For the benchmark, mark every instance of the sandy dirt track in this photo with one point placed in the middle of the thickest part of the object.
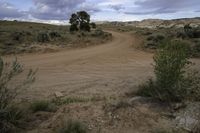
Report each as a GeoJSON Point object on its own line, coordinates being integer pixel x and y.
{"type": "Point", "coordinates": [109, 69]}
{"type": "Point", "coordinates": [105, 70]}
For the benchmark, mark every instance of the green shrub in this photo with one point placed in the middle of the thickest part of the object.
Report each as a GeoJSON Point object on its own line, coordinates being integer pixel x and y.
{"type": "Point", "coordinates": [54, 34]}
{"type": "Point", "coordinates": [7, 73]}
{"type": "Point", "coordinates": [146, 88]}
{"type": "Point", "coordinates": [154, 40]}
{"type": "Point", "coordinates": [97, 33]}
{"type": "Point", "coordinates": [17, 36]}
{"type": "Point", "coordinates": [160, 37]}
{"type": "Point", "coordinates": [43, 37]}
{"type": "Point", "coordinates": [42, 106]}
{"type": "Point", "coordinates": [169, 70]}
{"type": "Point", "coordinates": [11, 118]}
{"type": "Point", "coordinates": [150, 38]}
{"type": "Point", "coordinates": [170, 63]}
{"type": "Point", "coordinates": [181, 34]}
{"type": "Point", "coordinates": [73, 127]}
{"type": "Point", "coordinates": [93, 25]}
{"type": "Point", "coordinates": [9, 115]}
{"type": "Point", "coordinates": [192, 32]}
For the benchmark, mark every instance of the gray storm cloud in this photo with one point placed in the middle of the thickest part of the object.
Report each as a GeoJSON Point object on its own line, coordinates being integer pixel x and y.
{"type": "Point", "coordinates": [9, 11]}
{"type": "Point", "coordinates": [163, 6]}
{"type": "Point", "coordinates": [62, 9]}
{"type": "Point", "coordinates": [59, 9]}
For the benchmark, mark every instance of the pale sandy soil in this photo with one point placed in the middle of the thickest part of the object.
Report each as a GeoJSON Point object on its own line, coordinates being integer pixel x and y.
{"type": "Point", "coordinates": [106, 70]}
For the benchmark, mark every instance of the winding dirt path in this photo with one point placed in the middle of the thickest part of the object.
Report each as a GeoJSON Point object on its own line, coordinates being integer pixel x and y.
{"type": "Point", "coordinates": [105, 70]}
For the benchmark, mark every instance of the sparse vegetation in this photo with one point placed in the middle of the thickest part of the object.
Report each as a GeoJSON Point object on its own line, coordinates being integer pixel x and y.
{"type": "Point", "coordinates": [10, 115]}
{"type": "Point", "coordinates": [22, 37]}
{"type": "Point", "coordinates": [169, 131]}
{"type": "Point", "coordinates": [171, 83]}
{"type": "Point", "coordinates": [72, 126]}
{"type": "Point", "coordinates": [107, 109]}
{"type": "Point", "coordinates": [11, 118]}
{"type": "Point", "coordinates": [43, 106]}
{"type": "Point", "coordinates": [153, 38]}
{"type": "Point", "coordinates": [43, 37]}
{"type": "Point", "coordinates": [192, 32]}
{"type": "Point", "coordinates": [68, 100]}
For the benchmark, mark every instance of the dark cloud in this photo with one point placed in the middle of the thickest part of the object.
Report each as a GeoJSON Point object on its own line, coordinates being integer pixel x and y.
{"type": "Point", "coordinates": [157, 11]}
{"type": "Point", "coordinates": [9, 11]}
{"type": "Point", "coordinates": [163, 6]}
{"type": "Point", "coordinates": [59, 9]}
{"type": "Point", "coordinates": [117, 7]}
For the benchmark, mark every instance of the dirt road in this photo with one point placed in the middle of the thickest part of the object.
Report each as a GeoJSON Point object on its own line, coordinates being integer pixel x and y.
{"type": "Point", "coordinates": [105, 70]}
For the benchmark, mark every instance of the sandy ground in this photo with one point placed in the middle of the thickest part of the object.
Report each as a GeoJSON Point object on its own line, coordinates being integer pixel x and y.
{"type": "Point", "coordinates": [107, 70]}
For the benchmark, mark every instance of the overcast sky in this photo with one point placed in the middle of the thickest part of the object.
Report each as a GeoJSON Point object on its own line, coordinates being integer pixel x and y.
{"type": "Point", "coordinates": [59, 11]}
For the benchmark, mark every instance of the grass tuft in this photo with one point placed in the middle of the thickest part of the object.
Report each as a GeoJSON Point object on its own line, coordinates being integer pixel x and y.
{"type": "Point", "coordinates": [43, 106]}
{"type": "Point", "coordinates": [71, 126]}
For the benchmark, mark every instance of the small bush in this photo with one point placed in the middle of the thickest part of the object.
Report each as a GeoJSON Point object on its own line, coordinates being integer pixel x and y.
{"type": "Point", "coordinates": [73, 127]}
{"type": "Point", "coordinates": [170, 63]}
{"type": "Point", "coordinates": [98, 33]}
{"type": "Point", "coordinates": [93, 25]}
{"type": "Point", "coordinates": [181, 34]}
{"type": "Point", "coordinates": [192, 32]}
{"type": "Point", "coordinates": [160, 37]}
{"type": "Point", "coordinates": [150, 38]}
{"type": "Point", "coordinates": [17, 36]}
{"type": "Point", "coordinates": [7, 73]}
{"type": "Point", "coordinates": [54, 34]}
{"type": "Point", "coordinates": [42, 106]}
{"type": "Point", "coordinates": [146, 88]}
{"type": "Point", "coordinates": [154, 40]}
{"type": "Point", "coordinates": [43, 37]}
{"type": "Point", "coordinates": [11, 118]}
{"type": "Point", "coordinates": [147, 33]}
{"type": "Point", "coordinates": [9, 115]}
